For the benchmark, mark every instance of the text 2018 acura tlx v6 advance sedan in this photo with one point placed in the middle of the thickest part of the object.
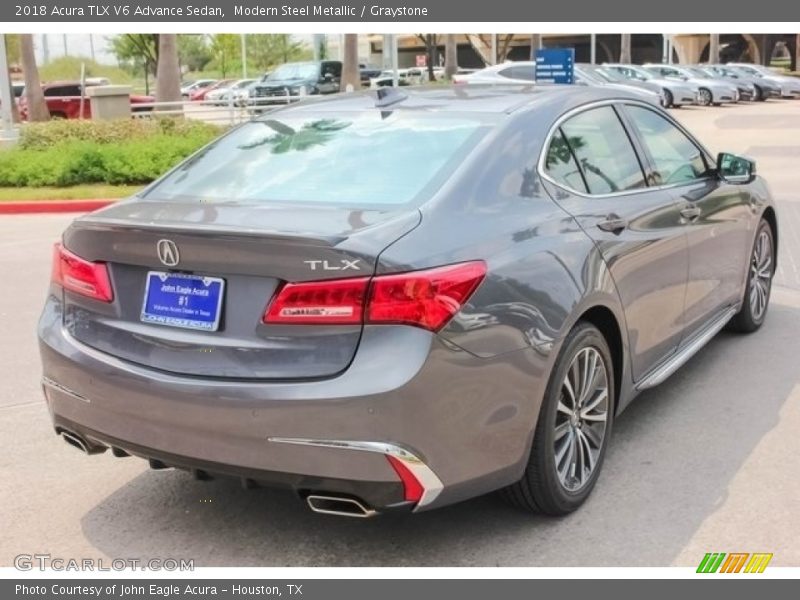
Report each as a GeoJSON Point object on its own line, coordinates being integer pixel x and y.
{"type": "Point", "coordinates": [399, 301]}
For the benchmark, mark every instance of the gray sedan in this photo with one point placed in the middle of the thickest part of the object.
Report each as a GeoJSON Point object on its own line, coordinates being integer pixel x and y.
{"type": "Point", "coordinates": [288, 307]}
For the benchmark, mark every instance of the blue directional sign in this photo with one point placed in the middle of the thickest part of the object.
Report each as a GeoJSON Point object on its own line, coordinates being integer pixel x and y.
{"type": "Point", "coordinates": [555, 65]}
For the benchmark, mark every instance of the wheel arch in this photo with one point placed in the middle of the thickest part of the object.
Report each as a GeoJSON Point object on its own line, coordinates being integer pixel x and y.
{"type": "Point", "coordinates": [772, 219]}
{"type": "Point", "coordinates": [606, 321]}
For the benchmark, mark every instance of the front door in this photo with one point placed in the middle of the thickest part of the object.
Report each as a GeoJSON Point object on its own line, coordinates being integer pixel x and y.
{"type": "Point", "coordinates": [597, 177]}
{"type": "Point", "coordinates": [713, 211]}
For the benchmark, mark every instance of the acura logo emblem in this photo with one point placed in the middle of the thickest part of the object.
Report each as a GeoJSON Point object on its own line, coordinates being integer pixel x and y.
{"type": "Point", "coordinates": [168, 253]}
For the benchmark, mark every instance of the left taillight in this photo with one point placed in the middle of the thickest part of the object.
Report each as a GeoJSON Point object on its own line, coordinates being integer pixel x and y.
{"type": "Point", "coordinates": [428, 298]}
{"type": "Point", "coordinates": [81, 276]}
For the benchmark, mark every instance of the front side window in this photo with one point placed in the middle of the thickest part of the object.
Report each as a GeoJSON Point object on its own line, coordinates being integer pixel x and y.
{"type": "Point", "coordinates": [675, 157]}
{"type": "Point", "coordinates": [603, 150]}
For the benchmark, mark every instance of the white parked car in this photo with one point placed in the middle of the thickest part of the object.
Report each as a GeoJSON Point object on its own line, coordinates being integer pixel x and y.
{"type": "Point", "coordinates": [524, 73]}
{"type": "Point", "coordinates": [189, 87]}
{"type": "Point", "coordinates": [236, 91]}
{"type": "Point", "coordinates": [508, 72]}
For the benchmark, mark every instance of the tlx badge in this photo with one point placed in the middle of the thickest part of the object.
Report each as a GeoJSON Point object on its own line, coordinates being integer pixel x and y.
{"type": "Point", "coordinates": [325, 265]}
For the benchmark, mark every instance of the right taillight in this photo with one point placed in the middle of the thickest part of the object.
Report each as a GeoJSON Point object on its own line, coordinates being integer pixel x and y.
{"type": "Point", "coordinates": [427, 298]}
{"type": "Point", "coordinates": [81, 276]}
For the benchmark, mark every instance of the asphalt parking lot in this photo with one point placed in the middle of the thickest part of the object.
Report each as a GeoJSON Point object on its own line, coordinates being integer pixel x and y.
{"type": "Point", "coordinates": [707, 462]}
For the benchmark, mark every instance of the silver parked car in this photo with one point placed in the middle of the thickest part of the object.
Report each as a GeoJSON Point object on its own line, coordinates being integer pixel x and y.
{"type": "Point", "coordinates": [710, 91]}
{"type": "Point", "coordinates": [524, 73]}
{"type": "Point", "coordinates": [790, 86]}
{"type": "Point", "coordinates": [668, 98]}
{"type": "Point", "coordinates": [289, 307]}
{"type": "Point", "coordinates": [677, 92]}
{"type": "Point", "coordinates": [758, 89]}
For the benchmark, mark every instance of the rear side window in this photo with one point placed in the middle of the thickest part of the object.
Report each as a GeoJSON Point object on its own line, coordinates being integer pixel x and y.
{"type": "Point", "coordinates": [347, 159]}
{"type": "Point", "coordinates": [63, 90]}
{"type": "Point", "coordinates": [603, 151]}
{"type": "Point", "coordinates": [561, 166]}
{"type": "Point", "coordinates": [676, 159]}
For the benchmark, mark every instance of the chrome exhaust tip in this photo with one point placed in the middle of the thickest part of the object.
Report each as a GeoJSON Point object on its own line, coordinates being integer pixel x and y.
{"type": "Point", "coordinates": [76, 441]}
{"type": "Point", "coordinates": [341, 506]}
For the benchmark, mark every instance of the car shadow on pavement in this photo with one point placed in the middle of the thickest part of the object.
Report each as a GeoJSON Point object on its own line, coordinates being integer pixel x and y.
{"type": "Point", "coordinates": [673, 455]}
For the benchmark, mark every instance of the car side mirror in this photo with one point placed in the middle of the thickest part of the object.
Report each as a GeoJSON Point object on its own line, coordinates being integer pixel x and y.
{"type": "Point", "coordinates": [735, 169]}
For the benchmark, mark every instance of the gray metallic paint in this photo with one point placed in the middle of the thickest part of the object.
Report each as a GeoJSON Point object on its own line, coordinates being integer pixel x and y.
{"type": "Point", "coordinates": [465, 400]}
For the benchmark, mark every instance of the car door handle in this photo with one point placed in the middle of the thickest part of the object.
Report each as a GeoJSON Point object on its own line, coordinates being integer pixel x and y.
{"type": "Point", "coordinates": [613, 223]}
{"type": "Point", "coordinates": [691, 212]}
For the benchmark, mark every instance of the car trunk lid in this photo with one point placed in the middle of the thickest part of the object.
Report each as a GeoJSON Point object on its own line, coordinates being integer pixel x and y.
{"type": "Point", "coordinates": [252, 250]}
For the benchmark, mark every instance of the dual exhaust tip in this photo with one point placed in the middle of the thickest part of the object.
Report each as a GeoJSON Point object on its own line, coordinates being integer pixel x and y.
{"type": "Point", "coordinates": [82, 444]}
{"type": "Point", "coordinates": [328, 504]}
{"type": "Point", "coordinates": [342, 506]}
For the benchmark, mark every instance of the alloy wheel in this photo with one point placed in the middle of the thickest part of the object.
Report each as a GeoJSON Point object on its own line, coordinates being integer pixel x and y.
{"type": "Point", "coordinates": [760, 275]}
{"type": "Point", "coordinates": [581, 419]}
{"type": "Point", "coordinates": [705, 97]}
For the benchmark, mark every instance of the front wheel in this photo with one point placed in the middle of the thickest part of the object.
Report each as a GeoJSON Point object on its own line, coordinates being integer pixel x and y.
{"type": "Point", "coordinates": [573, 429]}
{"type": "Point", "coordinates": [759, 282]}
{"type": "Point", "coordinates": [706, 97]}
{"type": "Point", "coordinates": [758, 94]}
{"type": "Point", "coordinates": [669, 101]}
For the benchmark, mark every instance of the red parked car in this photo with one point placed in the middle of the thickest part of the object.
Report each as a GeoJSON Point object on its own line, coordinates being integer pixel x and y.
{"type": "Point", "coordinates": [63, 100]}
{"type": "Point", "coordinates": [200, 94]}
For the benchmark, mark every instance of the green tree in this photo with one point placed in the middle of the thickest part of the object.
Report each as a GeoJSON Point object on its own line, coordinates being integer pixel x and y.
{"type": "Point", "coordinates": [226, 50]}
{"type": "Point", "coordinates": [138, 52]}
{"type": "Point", "coordinates": [267, 50]}
{"type": "Point", "coordinates": [193, 51]}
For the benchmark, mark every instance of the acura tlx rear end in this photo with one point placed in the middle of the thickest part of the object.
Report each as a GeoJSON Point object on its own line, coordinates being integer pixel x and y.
{"type": "Point", "coordinates": [237, 319]}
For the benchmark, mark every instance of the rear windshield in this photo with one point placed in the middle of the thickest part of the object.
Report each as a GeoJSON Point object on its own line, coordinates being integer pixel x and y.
{"type": "Point", "coordinates": [359, 159]}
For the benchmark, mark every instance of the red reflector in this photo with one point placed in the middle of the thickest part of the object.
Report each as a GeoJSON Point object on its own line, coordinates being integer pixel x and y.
{"type": "Point", "coordinates": [319, 302]}
{"type": "Point", "coordinates": [412, 488]}
{"type": "Point", "coordinates": [81, 276]}
{"type": "Point", "coordinates": [428, 299]}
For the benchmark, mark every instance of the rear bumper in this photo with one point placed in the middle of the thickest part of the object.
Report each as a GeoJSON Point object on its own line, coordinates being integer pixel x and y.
{"type": "Point", "coordinates": [468, 420]}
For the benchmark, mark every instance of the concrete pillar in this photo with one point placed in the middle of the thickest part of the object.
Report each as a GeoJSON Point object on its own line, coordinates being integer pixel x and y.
{"type": "Point", "coordinates": [110, 101]}
{"type": "Point", "coordinates": [625, 48]}
{"type": "Point", "coordinates": [713, 48]}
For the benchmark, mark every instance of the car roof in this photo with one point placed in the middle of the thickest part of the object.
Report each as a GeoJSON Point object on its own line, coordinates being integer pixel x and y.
{"type": "Point", "coordinates": [492, 99]}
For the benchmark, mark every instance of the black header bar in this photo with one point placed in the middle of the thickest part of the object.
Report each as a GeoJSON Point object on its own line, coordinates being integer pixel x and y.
{"type": "Point", "coordinates": [447, 11]}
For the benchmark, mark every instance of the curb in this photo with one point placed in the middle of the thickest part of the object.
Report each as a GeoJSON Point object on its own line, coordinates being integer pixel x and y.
{"type": "Point", "coordinates": [52, 206]}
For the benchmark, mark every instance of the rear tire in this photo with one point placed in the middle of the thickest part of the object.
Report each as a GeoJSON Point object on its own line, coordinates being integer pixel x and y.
{"type": "Point", "coordinates": [761, 268]}
{"type": "Point", "coordinates": [669, 101]}
{"type": "Point", "coordinates": [570, 441]}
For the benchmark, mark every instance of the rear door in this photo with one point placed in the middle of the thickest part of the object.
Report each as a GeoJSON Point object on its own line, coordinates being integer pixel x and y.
{"type": "Point", "coordinates": [593, 171]}
{"type": "Point", "coordinates": [717, 215]}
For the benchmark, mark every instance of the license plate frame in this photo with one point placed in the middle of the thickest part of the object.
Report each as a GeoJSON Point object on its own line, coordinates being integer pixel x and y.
{"type": "Point", "coordinates": [171, 303]}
